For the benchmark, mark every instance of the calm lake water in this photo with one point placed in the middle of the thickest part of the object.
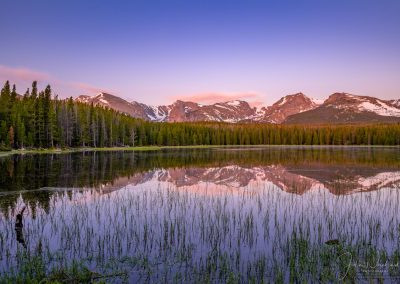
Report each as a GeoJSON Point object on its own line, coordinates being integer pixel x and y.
{"type": "Point", "coordinates": [217, 215]}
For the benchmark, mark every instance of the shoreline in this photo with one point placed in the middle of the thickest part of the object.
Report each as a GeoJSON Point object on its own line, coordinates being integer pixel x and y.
{"type": "Point", "coordinates": [158, 148]}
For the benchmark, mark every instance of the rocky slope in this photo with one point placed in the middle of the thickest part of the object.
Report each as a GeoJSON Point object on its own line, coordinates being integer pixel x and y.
{"type": "Point", "coordinates": [292, 109]}
{"type": "Point", "coordinates": [348, 108]}
{"type": "Point", "coordinates": [231, 111]}
{"type": "Point", "coordinates": [286, 106]}
{"type": "Point", "coordinates": [106, 100]}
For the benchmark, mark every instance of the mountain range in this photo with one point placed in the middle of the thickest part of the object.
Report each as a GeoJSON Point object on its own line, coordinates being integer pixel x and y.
{"type": "Point", "coordinates": [291, 109]}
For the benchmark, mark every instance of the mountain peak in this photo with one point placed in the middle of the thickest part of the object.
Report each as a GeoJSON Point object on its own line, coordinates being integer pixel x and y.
{"type": "Point", "coordinates": [299, 94]}
{"type": "Point", "coordinates": [349, 108]}
{"type": "Point", "coordinates": [341, 97]}
{"type": "Point", "coordinates": [234, 103]}
{"type": "Point", "coordinates": [82, 98]}
{"type": "Point", "coordinates": [286, 106]}
{"type": "Point", "coordinates": [338, 108]}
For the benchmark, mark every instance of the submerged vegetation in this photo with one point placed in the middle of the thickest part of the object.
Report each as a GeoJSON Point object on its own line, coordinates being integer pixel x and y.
{"type": "Point", "coordinates": [41, 120]}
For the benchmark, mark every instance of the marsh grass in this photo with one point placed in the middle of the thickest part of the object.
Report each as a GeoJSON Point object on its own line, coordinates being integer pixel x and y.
{"type": "Point", "coordinates": [156, 232]}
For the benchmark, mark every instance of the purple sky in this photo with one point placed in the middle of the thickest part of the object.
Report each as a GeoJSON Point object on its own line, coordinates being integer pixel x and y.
{"type": "Point", "coordinates": [158, 51]}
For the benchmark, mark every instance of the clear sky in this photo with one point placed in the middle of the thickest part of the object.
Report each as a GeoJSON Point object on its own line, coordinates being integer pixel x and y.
{"type": "Point", "coordinates": [158, 51]}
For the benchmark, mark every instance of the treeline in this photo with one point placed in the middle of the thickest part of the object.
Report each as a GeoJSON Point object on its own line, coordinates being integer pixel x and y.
{"type": "Point", "coordinates": [172, 134]}
{"type": "Point", "coordinates": [41, 120]}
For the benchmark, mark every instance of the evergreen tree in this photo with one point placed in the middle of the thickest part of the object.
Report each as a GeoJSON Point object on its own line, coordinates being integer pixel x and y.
{"type": "Point", "coordinates": [38, 120]}
{"type": "Point", "coordinates": [5, 97]}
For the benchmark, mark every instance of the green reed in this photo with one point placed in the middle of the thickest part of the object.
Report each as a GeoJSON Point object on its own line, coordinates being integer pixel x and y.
{"type": "Point", "coordinates": [157, 232]}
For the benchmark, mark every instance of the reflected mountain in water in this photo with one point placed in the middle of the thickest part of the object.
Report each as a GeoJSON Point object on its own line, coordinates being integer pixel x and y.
{"type": "Point", "coordinates": [292, 169]}
{"type": "Point", "coordinates": [338, 181]}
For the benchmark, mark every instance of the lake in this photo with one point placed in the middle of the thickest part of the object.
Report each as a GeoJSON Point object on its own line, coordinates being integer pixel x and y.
{"type": "Point", "coordinates": [236, 214]}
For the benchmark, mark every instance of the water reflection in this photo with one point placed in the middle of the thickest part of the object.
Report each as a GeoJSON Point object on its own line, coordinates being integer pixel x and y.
{"type": "Point", "coordinates": [190, 213]}
{"type": "Point", "coordinates": [294, 180]}
{"type": "Point", "coordinates": [19, 225]}
{"type": "Point", "coordinates": [294, 170]}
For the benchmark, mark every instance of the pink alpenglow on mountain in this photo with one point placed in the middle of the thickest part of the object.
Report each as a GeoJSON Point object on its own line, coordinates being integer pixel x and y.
{"type": "Point", "coordinates": [296, 108]}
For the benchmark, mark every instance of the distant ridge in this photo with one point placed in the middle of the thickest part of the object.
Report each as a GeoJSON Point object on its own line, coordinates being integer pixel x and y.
{"type": "Point", "coordinates": [291, 109]}
{"type": "Point", "coordinates": [348, 108]}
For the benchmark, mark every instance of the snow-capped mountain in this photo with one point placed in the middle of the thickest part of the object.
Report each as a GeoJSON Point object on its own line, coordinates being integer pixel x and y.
{"type": "Point", "coordinates": [286, 106]}
{"type": "Point", "coordinates": [232, 111]}
{"type": "Point", "coordinates": [348, 108]}
{"type": "Point", "coordinates": [106, 100]}
{"type": "Point", "coordinates": [296, 108]}
{"type": "Point", "coordinates": [361, 104]}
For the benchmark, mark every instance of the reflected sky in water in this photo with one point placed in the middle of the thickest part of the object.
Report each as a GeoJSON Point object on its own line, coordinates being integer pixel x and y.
{"type": "Point", "coordinates": [187, 204]}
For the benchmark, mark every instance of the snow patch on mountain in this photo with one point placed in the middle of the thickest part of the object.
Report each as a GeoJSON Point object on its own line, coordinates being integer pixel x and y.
{"type": "Point", "coordinates": [157, 114]}
{"type": "Point", "coordinates": [317, 101]}
{"type": "Point", "coordinates": [283, 101]}
{"type": "Point", "coordinates": [222, 106]}
{"type": "Point", "coordinates": [104, 101]}
{"type": "Point", "coordinates": [240, 111]}
{"type": "Point", "coordinates": [234, 103]}
{"type": "Point", "coordinates": [396, 102]}
{"type": "Point", "coordinates": [380, 108]}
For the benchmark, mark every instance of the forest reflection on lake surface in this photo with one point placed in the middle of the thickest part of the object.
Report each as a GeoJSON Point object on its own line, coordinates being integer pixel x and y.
{"type": "Point", "coordinates": [217, 215]}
